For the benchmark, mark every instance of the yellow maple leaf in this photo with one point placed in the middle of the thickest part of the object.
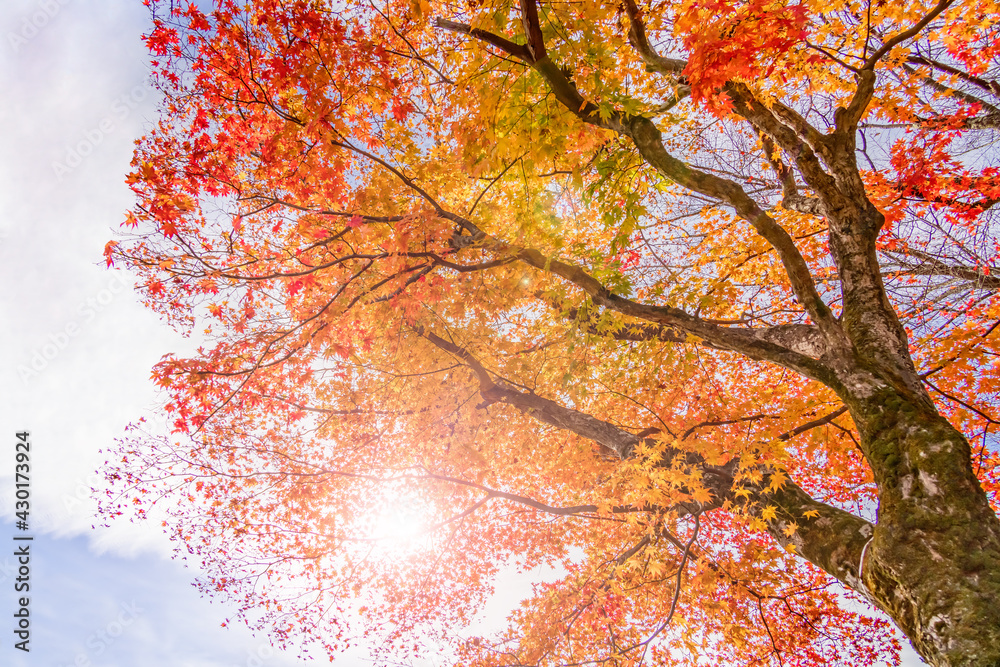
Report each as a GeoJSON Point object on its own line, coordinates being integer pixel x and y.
{"type": "Point", "coordinates": [777, 481]}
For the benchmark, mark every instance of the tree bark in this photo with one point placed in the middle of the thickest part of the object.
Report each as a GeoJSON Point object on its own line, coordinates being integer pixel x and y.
{"type": "Point", "coordinates": [933, 564]}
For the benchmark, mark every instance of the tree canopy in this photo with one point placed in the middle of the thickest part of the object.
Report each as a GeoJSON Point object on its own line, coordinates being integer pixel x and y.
{"type": "Point", "coordinates": [691, 301]}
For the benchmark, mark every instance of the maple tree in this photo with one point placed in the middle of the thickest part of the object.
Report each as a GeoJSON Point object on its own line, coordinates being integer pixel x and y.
{"type": "Point", "coordinates": [692, 301]}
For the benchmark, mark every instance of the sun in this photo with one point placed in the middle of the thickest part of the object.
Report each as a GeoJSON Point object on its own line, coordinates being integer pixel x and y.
{"type": "Point", "coordinates": [401, 520]}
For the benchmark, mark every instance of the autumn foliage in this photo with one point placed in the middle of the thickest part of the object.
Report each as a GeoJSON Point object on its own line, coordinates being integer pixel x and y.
{"type": "Point", "coordinates": [631, 293]}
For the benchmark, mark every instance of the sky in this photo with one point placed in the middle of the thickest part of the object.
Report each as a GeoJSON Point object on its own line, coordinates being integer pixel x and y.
{"type": "Point", "coordinates": [76, 349]}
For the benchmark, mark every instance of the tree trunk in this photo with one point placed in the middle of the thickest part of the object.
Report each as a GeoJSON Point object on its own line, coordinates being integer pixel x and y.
{"type": "Point", "coordinates": [933, 563]}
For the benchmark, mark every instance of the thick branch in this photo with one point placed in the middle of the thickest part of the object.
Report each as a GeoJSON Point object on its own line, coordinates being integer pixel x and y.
{"type": "Point", "coordinates": [907, 34]}
{"type": "Point", "coordinates": [637, 38]}
{"type": "Point", "coordinates": [649, 141]}
{"type": "Point", "coordinates": [990, 86]}
{"type": "Point", "coordinates": [929, 265]}
{"type": "Point", "coordinates": [615, 439]}
{"type": "Point", "coordinates": [828, 537]}
{"type": "Point", "coordinates": [797, 347]}
{"type": "Point", "coordinates": [791, 199]}
{"type": "Point", "coordinates": [989, 121]}
{"type": "Point", "coordinates": [869, 320]}
{"type": "Point", "coordinates": [634, 333]}
{"type": "Point", "coordinates": [532, 29]}
{"type": "Point", "coordinates": [960, 95]}
{"type": "Point", "coordinates": [517, 50]}
{"type": "Point", "coordinates": [824, 535]}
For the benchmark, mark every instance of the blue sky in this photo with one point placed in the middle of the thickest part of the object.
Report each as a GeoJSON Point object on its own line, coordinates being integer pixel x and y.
{"type": "Point", "coordinates": [76, 352]}
{"type": "Point", "coordinates": [103, 610]}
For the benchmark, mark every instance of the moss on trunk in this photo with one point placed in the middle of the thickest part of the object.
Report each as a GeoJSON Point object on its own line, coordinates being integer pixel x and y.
{"type": "Point", "coordinates": [934, 560]}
